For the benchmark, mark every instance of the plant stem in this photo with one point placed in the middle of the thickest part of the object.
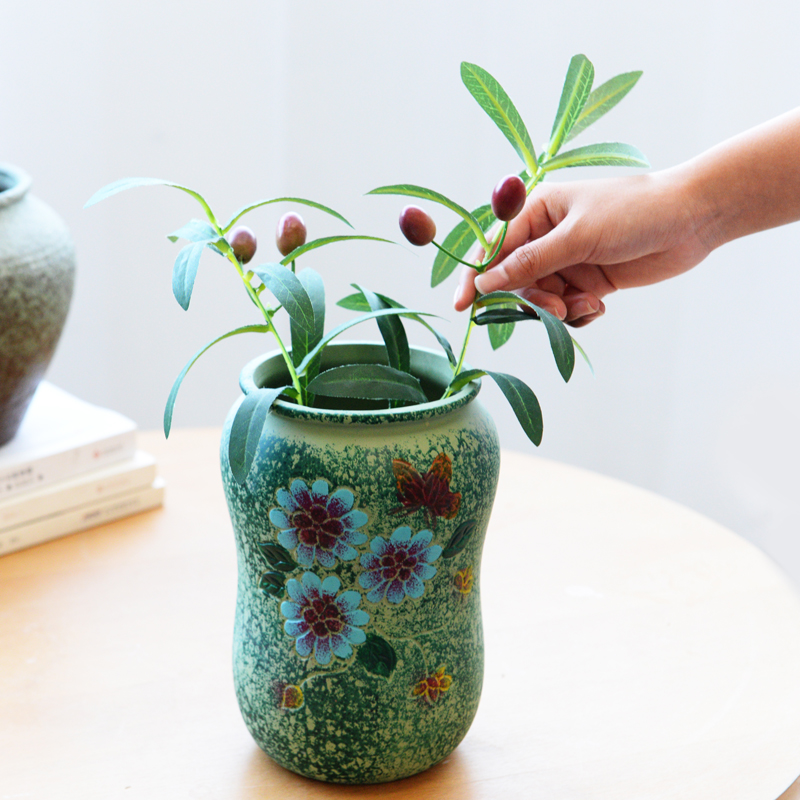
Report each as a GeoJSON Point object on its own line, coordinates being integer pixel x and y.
{"type": "Point", "coordinates": [458, 367]}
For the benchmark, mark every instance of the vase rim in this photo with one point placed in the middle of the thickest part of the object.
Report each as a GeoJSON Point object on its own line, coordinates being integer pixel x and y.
{"type": "Point", "coordinates": [248, 381]}
{"type": "Point", "coordinates": [14, 183]}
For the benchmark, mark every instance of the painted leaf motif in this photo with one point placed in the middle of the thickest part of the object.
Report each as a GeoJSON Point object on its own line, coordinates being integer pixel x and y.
{"type": "Point", "coordinates": [271, 583]}
{"type": "Point", "coordinates": [459, 539]}
{"type": "Point", "coordinates": [377, 656]}
{"type": "Point", "coordinates": [429, 492]}
{"type": "Point", "coordinates": [278, 557]}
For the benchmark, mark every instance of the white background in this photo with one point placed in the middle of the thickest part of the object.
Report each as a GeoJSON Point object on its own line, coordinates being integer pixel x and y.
{"type": "Point", "coordinates": [697, 384]}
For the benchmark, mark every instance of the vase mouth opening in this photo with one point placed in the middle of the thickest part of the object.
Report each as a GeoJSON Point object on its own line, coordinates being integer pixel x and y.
{"type": "Point", "coordinates": [14, 183]}
{"type": "Point", "coordinates": [431, 367]}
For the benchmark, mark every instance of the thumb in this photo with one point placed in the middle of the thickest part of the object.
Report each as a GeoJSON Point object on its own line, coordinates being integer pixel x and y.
{"type": "Point", "coordinates": [531, 262]}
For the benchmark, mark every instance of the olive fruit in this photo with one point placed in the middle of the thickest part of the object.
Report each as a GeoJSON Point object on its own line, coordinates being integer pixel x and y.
{"type": "Point", "coordinates": [508, 197]}
{"type": "Point", "coordinates": [417, 225]}
{"type": "Point", "coordinates": [291, 232]}
{"type": "Point", "coordinates": [243, 243]}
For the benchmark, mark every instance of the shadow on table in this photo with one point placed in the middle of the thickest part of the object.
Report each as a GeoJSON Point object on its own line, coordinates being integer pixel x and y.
{"type": "Point", "coordinates": [262, 777]}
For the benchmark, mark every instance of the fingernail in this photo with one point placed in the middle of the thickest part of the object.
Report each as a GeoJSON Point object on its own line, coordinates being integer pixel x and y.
{"type": "Point", "coordinates": [583, 308]}
{"type": "Point", "coordinates": [487, 282]}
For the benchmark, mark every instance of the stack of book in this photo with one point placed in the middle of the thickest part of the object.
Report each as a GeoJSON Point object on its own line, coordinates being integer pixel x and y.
{"type": "Point", "coordinates": [71, 466]}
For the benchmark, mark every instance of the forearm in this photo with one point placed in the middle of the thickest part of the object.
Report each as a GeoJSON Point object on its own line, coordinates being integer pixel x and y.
{"type": "Point", "coordinates": [746, 184]}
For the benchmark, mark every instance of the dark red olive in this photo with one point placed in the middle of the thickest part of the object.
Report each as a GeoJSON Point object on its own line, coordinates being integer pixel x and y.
{"type": "Point", "coordinates": [243, 243]}
{"type": "Point", "coordinates": [291, 232]}
{"type": "Point", "coordinates": [508, 197]}
{"type": "Point", "coordinates": [417, 225]}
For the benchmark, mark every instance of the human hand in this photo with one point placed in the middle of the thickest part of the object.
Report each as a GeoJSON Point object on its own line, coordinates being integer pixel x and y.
{"type": "Point", "coordinates": [575, 243]}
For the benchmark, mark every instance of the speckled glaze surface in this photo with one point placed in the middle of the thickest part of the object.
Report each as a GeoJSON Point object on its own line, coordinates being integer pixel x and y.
{"type": "Point", "coordinates": [358, 645]}
{"type": "Point", "coordinates": [37, 273]}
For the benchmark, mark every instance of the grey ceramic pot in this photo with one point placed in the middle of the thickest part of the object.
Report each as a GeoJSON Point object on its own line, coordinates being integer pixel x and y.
{"type": "Point", "coordinates": [37, 273]}
{"type": "Point", "coordinates": [358, 645]}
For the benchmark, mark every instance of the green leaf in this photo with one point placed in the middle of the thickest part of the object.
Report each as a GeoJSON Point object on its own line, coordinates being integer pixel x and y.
{"type": "Point", "coordinates": [392, 331]}
{"type": "Point", "coordinates": [277, 557]}
{"type": "Point", "coordinates": [132, 183]}
{"type": "Point", "coordinates": [602, 100]}
{"type": "Point", "coordinates": [195, 231]}
{"type": "Point", "coordinates": [560, 340]}
{"type": "Point", "coordinates": [463, 378]}
{"type": "Point", "coordinates": [458, 242]}
{"type": "Point", "coordinates": [271, 583]}
{"type": "Point", "coordinates": [315, 243]}
{"type": "Point", "coordinates": [246, 429]}
{"type": "Point", "coordinates": [246, 209]}
{"type": "Point", "coordinates": [357, 302]}
{"type": "Point", "coordinates": [410, 190]}
{"type": "Point", "coordinates": [185, 271]}
{"type": "Point", "coordinates": [290, 293]}
{"type": "Point", "coordinates": [377, 656]}
{"type": "Point", "coordinates": [575, 93]}
{"type": "Point", "coordinates": [339, 329]}
{"type": "Point", "coordinates": [368, 381]}
{"type": "Point", "coordinates": [523, 403]}
{"type": "Point", "coordinates": [497, 104]}
{"type": "Point", "coordinates": [179, 380]}
{"type": "Point", "coordinates": [585, 357]}
{"type": "Point", "coordinates": [500, 329]}
{"type": "Point", "coordinates": [503, 315]}
{"type": "Point", "coordinates": [607, 154]}
{"type": "Point", "coordinates": [303, 341]}
{"type": "Point", "coordinates": [458, 541]}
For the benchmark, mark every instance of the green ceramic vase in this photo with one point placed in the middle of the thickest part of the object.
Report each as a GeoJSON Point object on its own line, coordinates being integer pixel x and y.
{"type": "Point", "coordinates": [358, 646]}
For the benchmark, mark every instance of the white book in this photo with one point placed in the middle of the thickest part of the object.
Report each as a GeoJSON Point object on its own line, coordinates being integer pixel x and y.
{"type": "Point", "coordinates": [79, 519]}
{"type": "Point", "coordinates": [132, 473]}
{"type": "Point", "coordinates": [62, 436]}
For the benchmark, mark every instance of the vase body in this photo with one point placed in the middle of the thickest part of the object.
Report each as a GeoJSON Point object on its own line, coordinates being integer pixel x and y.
{"type": "Point", "coordinates": [358, 645]}
{"type": "Point", "coordinates": [37, 273]}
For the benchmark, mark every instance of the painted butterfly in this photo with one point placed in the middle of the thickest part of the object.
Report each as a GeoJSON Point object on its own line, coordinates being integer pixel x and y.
{"type": "Point", "coordinates": [429, 492]}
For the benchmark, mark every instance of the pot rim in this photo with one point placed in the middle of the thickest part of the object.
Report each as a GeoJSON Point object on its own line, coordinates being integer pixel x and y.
{"type": "Point", "coordinates": [14, 183]}
{"type": "Point", "coordinates": [249, 382]}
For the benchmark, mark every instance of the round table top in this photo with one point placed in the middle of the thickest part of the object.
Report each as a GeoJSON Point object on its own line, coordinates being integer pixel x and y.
{"type": "Point", "coordinates": [634, 649]}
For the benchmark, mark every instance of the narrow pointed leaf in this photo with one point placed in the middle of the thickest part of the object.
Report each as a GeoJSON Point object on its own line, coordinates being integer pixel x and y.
{"type": "Point", "coordinates": [246, 209]}
{"type": "Point", "coordinates": [499, 315]}
{"type": "Point", "coordinates": [368, 381]}
{"type": "Point", "coordinates": [195, 231]}
{"type": "Point", "coordinates": [290, 292]}
{"type": "Point", "coordinates": [246, 430]}
{"type": "Point", "coordinates": [132, 183]}
{"type": "Point", "coordinates": [575, 93]}
{"type": "Point", "coordinates": [463, 378]}
{"type": "Point", "coordinates": [302, 340]}
{"type": "Point", "coordinates": [315, 243]}
{"type": "Point", "coordinates": [458, 242]}
{"type": "Point", "coordinates": [607, 154]}
{"type": "Point", "coordinates": [185, 271]}
{"type": "Point", "coordinates": [501, 328]}
{"type": "Point", "coordinates": [410, 190]}
{"type": "Point", "coordinates": [392, 331]}
{"type": "Point", "coordinates": [493, 99]}
{"type": "Point", "coordinates": [523, 403]}
{"type": "Point", "coordinates": [602, 100]}
{"type": "Point", "coordinates": [339, 329]}
{"type": "Point", "coordinates": [357, 302]}
{"type": "Point", "coordinates": [168, 410]}
{"type": "Point", "coordinates": [585, 357]}
{"type": "Point", "coordinates": [560, 340]}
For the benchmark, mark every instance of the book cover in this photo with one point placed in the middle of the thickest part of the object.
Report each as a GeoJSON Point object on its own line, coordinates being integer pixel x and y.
{"type": "Point", "coordinates": [123, 476]}
{"type": "Point", "coordinates": [88, 516]}
{"type": "Point", "coordinates": [62, 436]}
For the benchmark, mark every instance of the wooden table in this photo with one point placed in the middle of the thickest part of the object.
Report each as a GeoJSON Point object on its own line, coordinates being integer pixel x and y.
{"type": "Point", "coordinates": [634, 650]}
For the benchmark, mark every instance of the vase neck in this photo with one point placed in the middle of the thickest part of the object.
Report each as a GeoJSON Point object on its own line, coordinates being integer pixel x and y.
{"type": "Point", "coordinates": [14, 184]}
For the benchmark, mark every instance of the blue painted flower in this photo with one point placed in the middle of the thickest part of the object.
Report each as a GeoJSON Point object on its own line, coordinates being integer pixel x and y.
{"type": "Point", "coordinates": [398, 567]}
{"type": "Point", "coordinates": [321, 526]}
{"type": "Point", "coordinates": [321, 621]}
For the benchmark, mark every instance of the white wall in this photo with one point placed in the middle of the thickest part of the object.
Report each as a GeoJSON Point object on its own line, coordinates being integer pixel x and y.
{"type": "Point", "coordinates": [697, 383]}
